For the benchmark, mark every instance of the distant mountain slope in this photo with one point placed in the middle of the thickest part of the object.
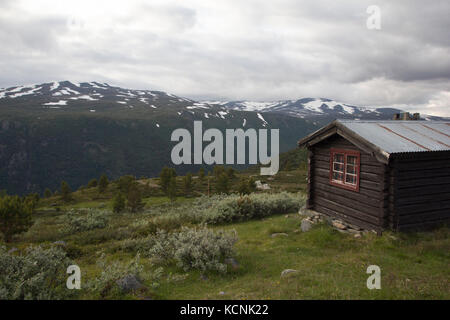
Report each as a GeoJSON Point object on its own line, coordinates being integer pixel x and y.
{"type": "Point", "coordinates": [316, 109]}
{"type": "Point", "coordinates": [74, 132]}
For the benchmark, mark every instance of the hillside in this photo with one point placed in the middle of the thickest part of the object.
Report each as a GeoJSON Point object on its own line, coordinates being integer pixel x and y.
{"type": "Point", "coordinates": [327, 264]}
{"type": "Point", "coordinates": [321, 110]}
{"type": "Point", "coordinates": [75, 131]}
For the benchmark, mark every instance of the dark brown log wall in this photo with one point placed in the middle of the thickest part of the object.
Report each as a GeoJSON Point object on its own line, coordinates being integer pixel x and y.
{"type": "Point", "coordinates": [421, 191]}
{"type": "Point", "coordinates": [366, 208]}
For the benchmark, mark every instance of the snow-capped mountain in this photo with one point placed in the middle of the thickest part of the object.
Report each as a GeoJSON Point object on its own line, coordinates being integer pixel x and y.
{"type": "Point", "coordinates": [95, 97]}
{"type": "Point", "coordinates": [315, 108]}
{"type": "Point", "coordinates": [74, 131]}
{"type": "Point", "coordinates": [64, 93]}
{"type": "Point", "coordinates": [102, 97]}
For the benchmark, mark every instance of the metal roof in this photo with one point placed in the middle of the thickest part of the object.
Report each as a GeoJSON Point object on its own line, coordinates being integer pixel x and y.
{"type": "Point", "coordinates": [402, 136]}
{"type": "Point", "coordinates": [383, 138]}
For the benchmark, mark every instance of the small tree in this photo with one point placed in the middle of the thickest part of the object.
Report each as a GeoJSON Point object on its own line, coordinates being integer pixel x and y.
{"type": "Point", "coordinates": [92, 183]}
{"type": "Point", "coordinates": [251, 185]}
{"type": "Point", "coordinates": [103, 183]}
{"type": "Point", "coordinates": [243, 186]}
{"type": "Point", "coordinates": [15, 215]}
{"type": "Point", "coordinates": [230, 172]}
{"type": "Point", "coordinates": [187, 183]}
{"type": "Point", "coordinates": [66, 192]}
{"type": "Point", "coordinates": [32, 199]}
{"type": "Point", "coordinates": [118, 202]}
{"type": "Point", "coordinates": [246, 186]}
{"type": "Point", "coordinates": [47, 193]}
{"type": "Point", "coordinates": [165, 177]}
{"type": "Point", "coordinates": [218, 170]}
{"type": "Point", "coordinates": [172, 189]}
{"type": "Point", "coordinates": [201, 174]}
{"type": "Point", "coordinates": [134, 199]}
{"type": "Point", "coordinates": [125, 182]}
{"type": "Point", "coordinates": [222, 183]}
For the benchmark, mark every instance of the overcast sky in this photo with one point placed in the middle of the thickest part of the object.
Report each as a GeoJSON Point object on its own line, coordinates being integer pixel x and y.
{"type": "Point", "coordinates": [236, 49]}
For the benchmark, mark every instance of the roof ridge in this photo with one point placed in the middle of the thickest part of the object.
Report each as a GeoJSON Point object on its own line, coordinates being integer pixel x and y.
{"type": "Point", "coordinates": [392, 121]}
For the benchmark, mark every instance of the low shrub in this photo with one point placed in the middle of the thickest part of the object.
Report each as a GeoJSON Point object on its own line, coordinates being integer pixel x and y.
{"type": "Point", "coordinates": [241, 208]}
{"type": "Point", "coordinates": [39, 274]}
{"type": "Point", "coordinates": [73, 251]}
{"type": "Point", "coordinates": [106, 283]}
{"type": "Point", "coordinates": [77, 221]}
{"type": "Point", "coordinates": [194, 248]}
{"type": "Point", "coordinates": [97, 236]}
{"type": "Point", "coordinates": [137, 245]}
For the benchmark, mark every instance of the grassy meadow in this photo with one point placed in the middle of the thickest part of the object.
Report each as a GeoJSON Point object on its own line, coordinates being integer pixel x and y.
{"type": "Point", "coordinates": [329, 264]}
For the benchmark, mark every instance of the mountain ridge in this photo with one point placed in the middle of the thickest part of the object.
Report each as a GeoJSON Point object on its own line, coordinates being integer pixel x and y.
{"type": "Point", "coordinates": [76, 131]}
{"type": "Point", "coordinates": [59, 94]}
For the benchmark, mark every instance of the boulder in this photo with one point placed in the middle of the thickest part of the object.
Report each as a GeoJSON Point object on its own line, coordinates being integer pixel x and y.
{"type": "Point", "coordinates": [306, 225]}
{"type": "Point", "coordinates": [129, 283]}
{"type": "Point", "coordinates": [261, 186]}
{"type": "Point", "coordinates": [353, 231]}
{"type": "Point", "coordinates": [279, 234]}
{"type": "Point", "coordinates": [60, 243]}
{"type": "Point", "coordinates": [302, 211]}
{"type": "Point", "coordinates": [232, 263]}
{"type": "Point", "coordinates": [12, 250]}
{"type": "Point", "coordinates": [339, 225]}
{"type": "Point", "coordinates": [286, 272]}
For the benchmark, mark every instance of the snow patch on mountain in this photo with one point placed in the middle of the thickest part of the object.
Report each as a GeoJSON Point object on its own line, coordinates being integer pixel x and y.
{"type": "Point", "coordinates": [55, 85]}
{"type": "Point", "coordinates": [84, 97]}
{"type": "Point", "coordinates": [314, 106]}
{"type": "Point", "coordinates": [58, 103]}
{"type": "Point", "coordinates": [222, 114]}
{"type": "Point", "coordinates": [25, 93]}
{"type": "Point", "coordinates": [262, 119]}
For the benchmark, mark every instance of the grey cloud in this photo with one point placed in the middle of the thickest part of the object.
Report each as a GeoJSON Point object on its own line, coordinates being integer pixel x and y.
{"type": "Point", "coordinates": [242, 49]}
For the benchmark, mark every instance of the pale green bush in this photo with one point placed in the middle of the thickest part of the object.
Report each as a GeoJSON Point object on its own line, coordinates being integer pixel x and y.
{"type": "Point", "coordinates": [137, 245]}
{"type": "Point", "coordinates": [39, 274]}
{"type": "Point", "coordinates": [106, 283]}
{"type": "Point", "coordinates": [241, 208]}
{"type": "Point", "coordinates": [224, 208]}
{"type": "Point", "coordinates": [86, 219]}
{"type": "Point", "coordinates": [194, 248]}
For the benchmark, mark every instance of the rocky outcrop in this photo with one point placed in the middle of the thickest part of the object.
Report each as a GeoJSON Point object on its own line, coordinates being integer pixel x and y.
{"type": "Point", "coordinates": [313, 217]}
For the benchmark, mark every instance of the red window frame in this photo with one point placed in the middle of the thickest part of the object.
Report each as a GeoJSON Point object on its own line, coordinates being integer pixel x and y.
{"type": "Point", "coordinates": [342, 182]}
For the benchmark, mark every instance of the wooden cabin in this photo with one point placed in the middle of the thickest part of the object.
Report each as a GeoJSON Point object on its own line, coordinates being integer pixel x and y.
{"type": "Point", "coordinates": [381, 174]}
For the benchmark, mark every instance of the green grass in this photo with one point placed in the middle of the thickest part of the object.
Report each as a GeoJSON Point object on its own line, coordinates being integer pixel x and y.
{"type": "Point", "coordinates": [330, 265]}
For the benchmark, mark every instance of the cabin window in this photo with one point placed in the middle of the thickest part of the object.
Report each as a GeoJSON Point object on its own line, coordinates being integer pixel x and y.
{"type": "Point", "coordinates": [344, 168]}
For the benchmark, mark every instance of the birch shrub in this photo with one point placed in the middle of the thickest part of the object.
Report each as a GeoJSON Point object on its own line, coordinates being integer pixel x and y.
{"type": "Point", "coordinates": [254, 206]}
{"type": "Point", "coordinates": [84, 220]}
{"type": "Point", "coordinates": [106, 283]}
{"type": "Point", "coordinates": [194, 248]}
{"type": "Point", "coordinates": [39, 274]}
